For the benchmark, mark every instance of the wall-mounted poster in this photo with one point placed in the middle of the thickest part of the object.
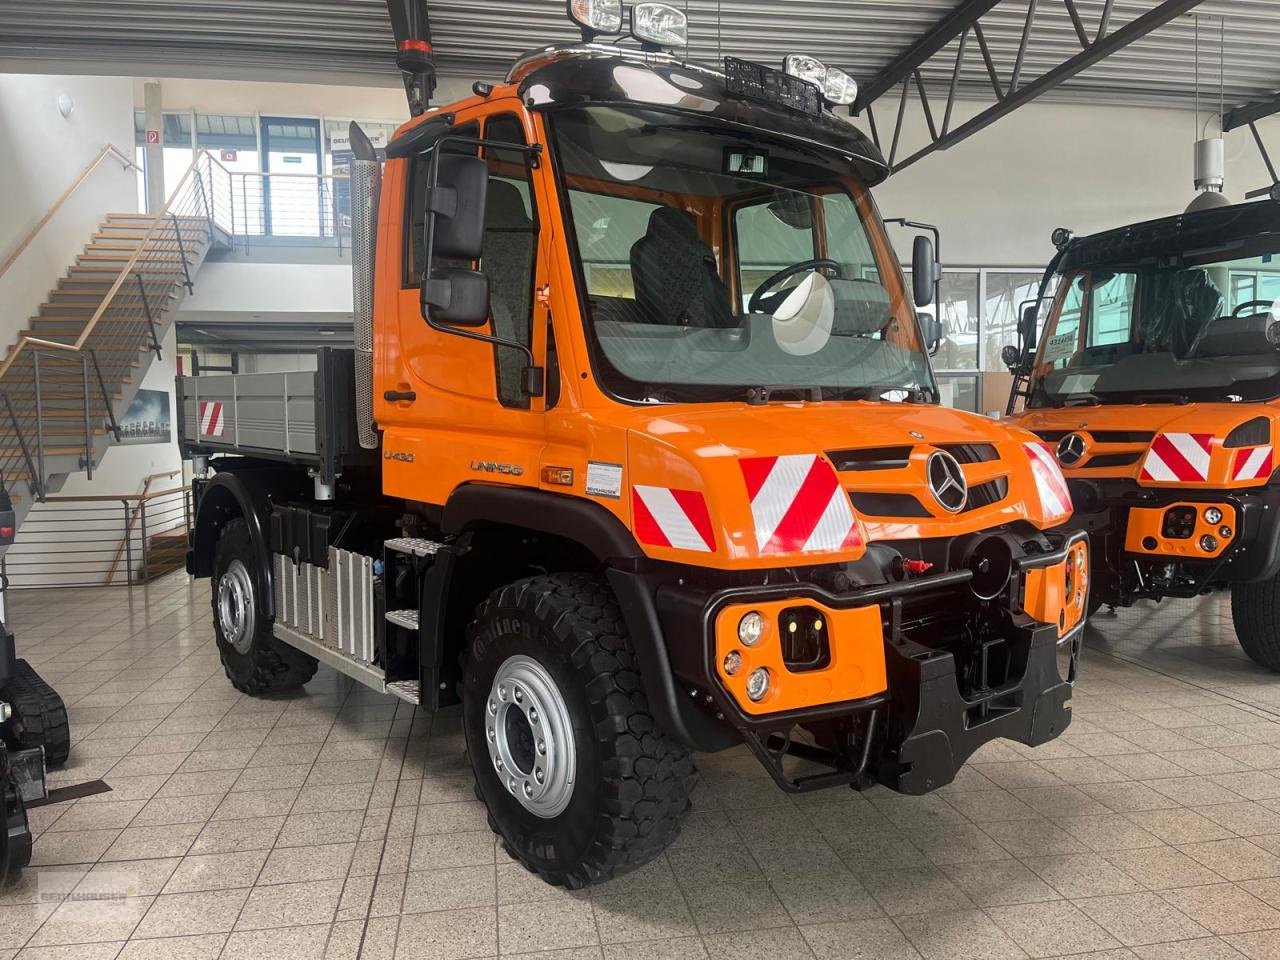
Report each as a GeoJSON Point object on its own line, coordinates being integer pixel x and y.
{"type": "Point", "coordinates": [148, 418]}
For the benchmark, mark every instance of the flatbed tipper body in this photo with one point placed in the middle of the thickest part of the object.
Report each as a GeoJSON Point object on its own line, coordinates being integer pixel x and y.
{"type": "Point", "coordinates": [305, 416]}
{"type": "Point", "coordinates": [602, 473]}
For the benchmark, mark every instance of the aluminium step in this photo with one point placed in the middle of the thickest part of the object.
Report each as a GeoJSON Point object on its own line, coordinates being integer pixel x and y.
{"type": "Point", "coordinates": [410, 691]}
{"type": "Point", "coordinates": [414, 546]}
{"type": "Point", "coordinates": [403, 618]}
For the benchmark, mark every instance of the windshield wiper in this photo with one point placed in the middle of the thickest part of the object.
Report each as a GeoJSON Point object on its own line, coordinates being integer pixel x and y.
{"type": "Point", "coordinates": [759, 396]}
{"type": "Point", "coordinates": [1078, 400]}
{"type": "Point", "coordinates": [1181, 399]}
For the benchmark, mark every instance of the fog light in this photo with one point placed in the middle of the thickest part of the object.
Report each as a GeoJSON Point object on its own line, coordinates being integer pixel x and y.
{"type": "Point", "coordinates": [1208, 543]}
{"type": "Point", "coordinates": [598, 16]}
{"type": "Point", "coordinates": [660, 24]}
{"type": "Point", "coordinates": [732, 662]}
{"type": "Point", "coordinates": [1225, 532]}
{"type": "Point", "coordinates": [751, 629]}
{"type": "Point", "coordinates": [1213, 516]}
{"type": "Point", "coordinates": [758, 684]}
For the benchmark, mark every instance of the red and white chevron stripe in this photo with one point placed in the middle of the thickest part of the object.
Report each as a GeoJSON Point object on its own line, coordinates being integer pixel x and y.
{"type": "Point", "coordinates": [672, 518]}
{"type": "Point", "coordinates": [1178, 457]}
{"type": "Point", "coordinates": [1051, 485]}
{"type": "Point", "coordinates": [1252, 464]}
{"type": "Point", "coordinates": [798, 505]}
{"type": "Point", "coordinates": [211, 422]}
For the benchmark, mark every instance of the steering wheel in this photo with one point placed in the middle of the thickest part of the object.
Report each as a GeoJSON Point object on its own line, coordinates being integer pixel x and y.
{"type": "Point", "coordinates": [1267, 304]}
{"type": "Point", "coordinates": [762, 291]}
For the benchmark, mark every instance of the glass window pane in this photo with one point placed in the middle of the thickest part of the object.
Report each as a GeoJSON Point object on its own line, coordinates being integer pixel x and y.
{"type": "Point", "coordinates": [960, 392]}
{"type": "Point", "coordinates": [959, 349]}
{"type": "Point", "coordinates": [767, 244]}
{"type": "Point", "coordinates": [607, 229]}
{"type": "Point", "coordinates": [1006, 292]}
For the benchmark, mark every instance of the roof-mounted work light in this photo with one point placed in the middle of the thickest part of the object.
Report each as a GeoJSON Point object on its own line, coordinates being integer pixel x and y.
{"type": "Point", "coordinates": [837, 86]}
{"type": "Point", "coordinates": [596, 17]}
{"type": "Point", "coordinates": [659, 25]}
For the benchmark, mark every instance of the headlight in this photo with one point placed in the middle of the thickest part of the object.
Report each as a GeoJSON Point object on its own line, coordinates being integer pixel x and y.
{"type": "Point", "coordinates": [659, 23]}
{"type": "Point", "coordinates": [758, 684]}
{"type": "Point", "coordinates": [840, 88]}
{"type": "Point", "coordinates": [1213, 516]}
{"type": "Point", "coordinates": [1208, 543]}
{"type": "Point", "coordinates": [751, 629]}
{"type": "Point", "coordinates": [598, 16]}
{"type": "Point", "coordinates": [836, 85]}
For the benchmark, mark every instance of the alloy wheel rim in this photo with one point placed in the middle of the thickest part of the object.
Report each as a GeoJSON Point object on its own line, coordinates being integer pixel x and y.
{"type": "Point", "coordinates": [530, 737]}
{"type": "Point", "coordinates": [235, 606]}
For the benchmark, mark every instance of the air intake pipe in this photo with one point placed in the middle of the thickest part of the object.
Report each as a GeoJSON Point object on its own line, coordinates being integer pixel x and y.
{"type": "Point", "coordinates": [366, 185]}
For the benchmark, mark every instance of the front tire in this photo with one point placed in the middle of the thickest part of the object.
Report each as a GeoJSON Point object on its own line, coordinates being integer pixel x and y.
{"type": "Point", "coordinates": [254, 660]}
{"type": "Point", "coordinates": [1255, 611]}
{"type": "Point", "coordinates": [579, 782]}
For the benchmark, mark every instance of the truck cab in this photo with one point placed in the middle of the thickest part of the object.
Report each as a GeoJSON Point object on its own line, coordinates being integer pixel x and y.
{"type": "Point", "coordinates": [1155, 384]}
{"type": "Point", "coordinates": [639, 454]}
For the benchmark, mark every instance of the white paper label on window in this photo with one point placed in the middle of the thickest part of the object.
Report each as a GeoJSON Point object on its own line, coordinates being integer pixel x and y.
{"type": "Point", "coordinates": [1061, 346]}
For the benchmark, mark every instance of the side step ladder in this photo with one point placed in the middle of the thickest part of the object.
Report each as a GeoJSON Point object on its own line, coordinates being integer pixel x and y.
{"type": "Point", "coordinates": [333, 614]}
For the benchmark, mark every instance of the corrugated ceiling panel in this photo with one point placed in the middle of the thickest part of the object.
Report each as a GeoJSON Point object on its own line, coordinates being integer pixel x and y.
{"type": "Point", "coordinates": [329, 39]}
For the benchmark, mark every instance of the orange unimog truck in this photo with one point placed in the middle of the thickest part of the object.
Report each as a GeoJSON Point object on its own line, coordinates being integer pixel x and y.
{"type": "Point", "coordinates": [638, 454]}
{"type": "Point", "coordinates": [1156, 383]}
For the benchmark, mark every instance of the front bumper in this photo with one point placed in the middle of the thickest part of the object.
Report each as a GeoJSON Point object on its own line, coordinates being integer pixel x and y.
{"type": "Point", "coordinates": [1127, 521]}
{"type": "Point", "coordinates": [953, 674]}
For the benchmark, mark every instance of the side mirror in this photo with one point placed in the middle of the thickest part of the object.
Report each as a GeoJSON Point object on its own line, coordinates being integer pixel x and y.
{"type": "Point", "coordinates": [456, 207]}
{"type": "Point", "coordinates": [933, 332]}
{"type": "Point", "coordinates": [1027, 326]}
{"type": "Point", "coordinates": [925, 271]}
{"type": "Point", "coordinates": [456, 296]}
{"type": "Point", "coordinates": [1011, 357]}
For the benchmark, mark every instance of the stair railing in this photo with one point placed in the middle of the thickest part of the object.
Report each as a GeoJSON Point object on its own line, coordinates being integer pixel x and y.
{"type": "Point", "coordinates": [123, 322]}
{"type": "Point", "coordinates": [110, 150]}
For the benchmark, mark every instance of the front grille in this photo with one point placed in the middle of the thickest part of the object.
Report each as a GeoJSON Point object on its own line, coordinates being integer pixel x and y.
{"type": "Point", "coordinates": [887, 504]}
{"type": "Point", "coordinates": [870, 458]}
{"type": "Point", "coordinates": [1112, 460]}
{"type": "Point", "coordinates": [967, 453]}
{"type": "Point", "coordinates": [1121, 436]}
{"type": "Point", "coordinates": [1051, 436]}
{"type": "Point", "coordinates": [987, 494]}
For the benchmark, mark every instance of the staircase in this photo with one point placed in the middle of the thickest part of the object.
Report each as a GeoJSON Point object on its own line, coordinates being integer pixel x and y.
{"type": "Point", "coordinates": [77, 365]}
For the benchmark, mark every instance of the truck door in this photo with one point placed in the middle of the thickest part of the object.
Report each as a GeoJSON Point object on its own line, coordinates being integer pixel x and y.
{"type": "Point", "coordinates": [456, 409]}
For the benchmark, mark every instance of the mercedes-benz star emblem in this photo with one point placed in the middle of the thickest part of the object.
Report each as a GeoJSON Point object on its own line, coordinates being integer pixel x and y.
{"type": "Point", "coordinates": [1071, 449]}
{"type": "Point", "coordinates": [947, 482]}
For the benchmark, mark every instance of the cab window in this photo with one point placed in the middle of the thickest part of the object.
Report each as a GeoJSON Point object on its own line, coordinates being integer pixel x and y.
{"type": "Point", "coordinates": [510, 251]}
{"type": "Point", "coordinates": [607, 229]}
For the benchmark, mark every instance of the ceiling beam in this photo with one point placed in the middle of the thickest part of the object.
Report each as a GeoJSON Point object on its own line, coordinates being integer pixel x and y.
{"type": "Point", "coordinates": [1102, 48]}
{"type": "Point", "coordinates": [1250, 113]}
{"type": "Point", "coordinates": [940, 34]}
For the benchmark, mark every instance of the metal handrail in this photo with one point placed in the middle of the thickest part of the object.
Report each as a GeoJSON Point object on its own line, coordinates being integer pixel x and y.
{"type": "Point", "coordinates": [130, 267]}
{"type": "Point", "coordinates": [110, 150]}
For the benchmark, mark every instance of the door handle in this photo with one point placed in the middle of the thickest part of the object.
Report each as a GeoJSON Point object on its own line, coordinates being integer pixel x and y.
{"type": "Point", "coordinates": [399, 396]}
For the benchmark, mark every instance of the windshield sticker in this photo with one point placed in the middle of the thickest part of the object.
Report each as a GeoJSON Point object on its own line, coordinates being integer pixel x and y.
{"type": "Point", "coordinates": [604, 479]}
{"type": "Point", "coordinates": [1061, 346]}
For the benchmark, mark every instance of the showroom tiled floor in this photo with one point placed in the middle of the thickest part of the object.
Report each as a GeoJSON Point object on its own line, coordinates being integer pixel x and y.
{"type": "Point", "coordinates": [338, 823]}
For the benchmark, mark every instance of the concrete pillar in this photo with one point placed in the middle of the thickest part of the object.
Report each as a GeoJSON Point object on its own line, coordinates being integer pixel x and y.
{"type": "Point", "coordinates": [154, 120]}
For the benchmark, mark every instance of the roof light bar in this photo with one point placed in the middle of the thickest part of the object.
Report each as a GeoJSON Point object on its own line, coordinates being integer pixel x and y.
{"type": "Point", "coordinates": [837, 86]}
{"type": "Point", "coordinates": [596, 16]}
{"type": "Point", "coordinates": [659, 24]}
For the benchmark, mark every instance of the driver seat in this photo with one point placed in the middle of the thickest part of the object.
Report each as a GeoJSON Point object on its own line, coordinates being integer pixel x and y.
{"type": "Point", "coordinates": [676, 279]}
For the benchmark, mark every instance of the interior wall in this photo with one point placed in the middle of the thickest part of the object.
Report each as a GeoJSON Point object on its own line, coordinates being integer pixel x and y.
{"type": "Point", "coordinates": [45, 152]}
{"type": "Point", "coordinates": [998, 195]}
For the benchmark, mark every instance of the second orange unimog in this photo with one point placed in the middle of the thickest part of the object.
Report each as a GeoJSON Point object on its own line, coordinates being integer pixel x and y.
{"type": "Point", "coordinates": [639, 454]}
{"type": "Point", "coordinates": [1156, 383]}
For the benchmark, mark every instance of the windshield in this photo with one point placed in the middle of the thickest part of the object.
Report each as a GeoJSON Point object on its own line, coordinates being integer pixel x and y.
{"type": "Point", "coordinates": [720, 264]}
{"type": "Point", "coordinates": [1193, 327]}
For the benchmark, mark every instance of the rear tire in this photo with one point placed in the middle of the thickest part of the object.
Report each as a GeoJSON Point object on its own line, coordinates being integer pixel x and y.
{"type": "Point", "coordinates": [579, 782]}
{"type": "Point", "coordinates": [254, 660]}
{"type": "Point", "coordinates": [1255, 610]}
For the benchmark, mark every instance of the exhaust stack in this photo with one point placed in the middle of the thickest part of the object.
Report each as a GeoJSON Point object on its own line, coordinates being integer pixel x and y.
{"type": "Point", "coordinates": [366, 185]}
{"type": "Point", "coordinates": [411, 26]}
